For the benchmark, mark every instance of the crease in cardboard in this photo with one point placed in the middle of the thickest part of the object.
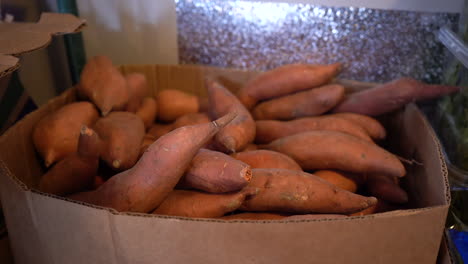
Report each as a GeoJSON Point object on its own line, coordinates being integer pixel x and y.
{"type": "Point", "coordinates": [116, 248]}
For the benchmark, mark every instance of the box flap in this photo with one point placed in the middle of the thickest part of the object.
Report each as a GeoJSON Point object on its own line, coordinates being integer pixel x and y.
{"type": "Point", "coordinates": [18, 38]}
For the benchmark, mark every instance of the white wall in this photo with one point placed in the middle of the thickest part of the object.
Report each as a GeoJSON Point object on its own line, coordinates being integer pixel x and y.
{"type": "Point", "coordinates": [137, 31]}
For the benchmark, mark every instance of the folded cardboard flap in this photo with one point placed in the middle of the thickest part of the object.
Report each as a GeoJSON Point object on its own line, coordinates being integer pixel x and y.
{"type": "Point", "coordinates": [19, 38]}
{"type": "Point", "coordinates": [68, 232]}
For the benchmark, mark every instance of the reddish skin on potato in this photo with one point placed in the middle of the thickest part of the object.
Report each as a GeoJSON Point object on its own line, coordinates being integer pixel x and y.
{"type": "Point", "coordinates": [147, 141]}
{"type": "Point", "coordinates": [314, 216]}
{"type": "Point", "coordinates": [384, 188]}
{"type": "Point", "coordinates": [98, 181]}
{"type": "Point", "coordinates": [215, 172]}
{"type": "Point", "coordinates": [121, 134]}
{"type": "Point", "coordinates": [253, 216]}
{"type": "Point", "coordinates": [269, 130]}
{"type": "Point", "coordinates": [56, 135]}
{"type": "Point", "coordinates": [143, 187]}
{"type": "Point", "coordinates": [137, 90]}
{"type": "Point", "coordinates": [241, 131]}
{"type": "Point", "coordinates": [267, 159]}
{"type": "Point", "coordinates": [173, 104]}
{"type": "Point", "coordinates": [391, 96]}
{"type": "Point", "coordinates": [312, 102]}
{"type": "Point", "coordinates": [286, 80]}
{"type": "Point", "coordinates": [147, 111]}
{"type": "Point", "coordinates": [380, 207]}
{"type": "Point", "coordinates": [158, 130]}
{"type": "Point", "coordinates": [199, 204]}
{"type": "Point", "coordinates": [75, 172]}
{"type": "Point", "coordinates": [191, 119]}
{"type": "Point", "coordinates": [371, 125]}
{"type": "Point", "coordinates": [250, 147]}
{"type": "Point", "coordinates": [291, 191]}
{"type": "Point", "coordinates": [316, 150]}
{"type": "Point", "coordinates": [104, 85]}
{"type": "Point", "coordinates": [344, 181]}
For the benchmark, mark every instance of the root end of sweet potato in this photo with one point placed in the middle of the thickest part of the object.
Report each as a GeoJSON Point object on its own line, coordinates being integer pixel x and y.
{"type": "Point", "coordinates": [86, 131]}
{"type": "Point", "coordinates": [246, 173]}
{"type": "Point", "coordinates": [224, 120]}
{"type": "Point", "coordinates": [371, 201]}
{"type": "Point", "coordinates": [116, 164]}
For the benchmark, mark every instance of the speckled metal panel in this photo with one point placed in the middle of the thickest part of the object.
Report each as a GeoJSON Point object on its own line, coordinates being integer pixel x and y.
{"type": "Point", "coordinates": [374, 45]}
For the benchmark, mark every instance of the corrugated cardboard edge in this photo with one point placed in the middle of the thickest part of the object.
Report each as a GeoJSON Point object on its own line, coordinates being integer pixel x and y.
{"type": "Point", "coordinates": [19, 38]}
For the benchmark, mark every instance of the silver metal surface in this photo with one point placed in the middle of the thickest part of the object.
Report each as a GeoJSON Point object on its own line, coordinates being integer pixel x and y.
{"type": "Point", "coordinates": [374, 45]}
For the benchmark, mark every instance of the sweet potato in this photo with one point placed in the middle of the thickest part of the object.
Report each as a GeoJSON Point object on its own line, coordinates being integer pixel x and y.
{"type": "Point", "coordinates": [345, 181]}
{"type": "Point", "coordinates": [215, 172]}
{"type": "Point", "coordinates": [312, 102]}
{"type": "Point", "coordinates": [391, 96]}
{"type": "Point", "coordinates": [122, 134]}
{"type": "Point", "coordinates": [104, 85]}
{"type": "Point", "coordinates": [285, 80]}
{"type": "Point", "coordinates": [199, 204]}
{"type": "Point", "coordinates": [241, 131]}
{"type": "Point", "coordinates": [158, 130]}
{"type": "Point", "coordinates": [143, 187]}
{"type": "Point", "coordinates": [147, 141]}
{"type": "Point", "coordinates": [371, 125]}
{"type": "Point", "coordinates": [292, 191]}
{"type": "Point", "coordinates": [98, 181]}
{"type": "Point", "coordinates": [253, 216]}
{"type": "Point", "coordinates": [269, 130]}
{"type": "Point", "coordinates": [75, 172]}
{"type": "Point", "coordinates": [56, 135]}
{"type": "Point", "coordinates": [148, 111]}
{"type": "Point", "coordinates": [137, 90]}
{"type": "Point", "coordinates": [314, 216]}
{"type": "Point", "coordinates": [250, 147]}
{"type": "Point", "coordinates": [267, 159]}
{"type": "Point", "coordinates": [335, 150]}
{"type": "Point", "coordinates": [175, 103]}
{"type": "Point", "coordinates": [191, 119]}
{"type": "Point", "coordinates": [380, 207]}
{"type": "Point", "coordinates": [387, 189]}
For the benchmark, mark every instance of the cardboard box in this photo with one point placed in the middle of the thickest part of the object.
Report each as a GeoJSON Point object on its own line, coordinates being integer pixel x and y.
{"type": "Point", "coordinates": [45, 228]}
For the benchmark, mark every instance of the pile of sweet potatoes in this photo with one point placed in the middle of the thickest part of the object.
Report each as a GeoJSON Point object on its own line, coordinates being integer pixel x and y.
{"type": "Point", "coordinates": [290, 144]}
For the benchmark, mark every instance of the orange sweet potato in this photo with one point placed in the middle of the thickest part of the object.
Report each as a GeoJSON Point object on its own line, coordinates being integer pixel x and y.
{"type": "Point", "coordinates": [191, 119]}
{"type": "Point", "coordinates": [342, 180]}
{"type": "Point", "coordinates": [241, 131]}
{"type": "Point", "coordinates": [56, 135]}
{"type": "Point", "coordinates": [312, 102]}
{"type": "Point", "coordinates": [122, 134]}
{"type": "Point", "coordinates": [137, 90]}
{"type": "Point", "coordinates": [314, 216]}
{"type": "Point", "coordinates": [147, 141]}
{"type": "Point", "coordinates": [391, 96]}
{"type": "Point", "coordinates": [250, 147]}
{"type": "Point", "coordinates": [387, 189]}
{"type": "Point", "coordinates": [158, 130]}
{"type": "Point", "coordinates": [285, 80]}
{"type": "Point", "coordinates": [148, 111]}
{"type": "Point", "coordinates": [267, 159]}
{"type": "Point", "coordinates": [216, 172]}
{"type": "Point", "coordinates": [292, 191]}
{"type": "Point", "coordinates": [75, 172]}
{"type": "Point", "coordinates": [269, 130]}
{"type": "Point", "coordinates": [253, 216]}
{"type": "Point", "coordinates": [199, 204]}
{"type": "Point", "coordinates": [335, 150]}
{"type": "Point", "coordinates": [371, 125]}
{"type": "Point", "coordinates": [104, 85]}
{"type": "Point", "coordinates": [175, 103]}
{"type": "Point", "coordinates": [143, 187]}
